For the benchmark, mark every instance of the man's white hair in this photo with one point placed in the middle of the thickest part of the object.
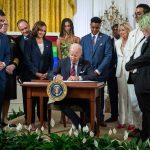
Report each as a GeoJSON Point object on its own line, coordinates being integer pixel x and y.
{"type": "Point", "coordinates": [76, 46]}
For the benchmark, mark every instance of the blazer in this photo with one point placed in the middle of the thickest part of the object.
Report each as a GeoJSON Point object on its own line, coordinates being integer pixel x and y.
{"type": "Point", "coordinates": [134, 38]}
{"type": "Point", "coordinates": [113, 62]}
{"type": "Point", "coordinates": [99, 56]}
{"type": "Point", "coordinates": [34, 61]}
{"type": "Point", "coordinates": [141, 78]}
{"type": "Point", "coordinates": [4, 57]}
{"type": "Point", "coordinates": [84, 70]}
{"type": "Point", "coordinates": [20, 42]}
{"type": "Point", "coordinates": [120, 57]}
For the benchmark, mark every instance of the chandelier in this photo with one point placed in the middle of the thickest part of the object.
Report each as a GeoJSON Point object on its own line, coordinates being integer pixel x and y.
{"type": "Point", "coordinates": [112, 16]}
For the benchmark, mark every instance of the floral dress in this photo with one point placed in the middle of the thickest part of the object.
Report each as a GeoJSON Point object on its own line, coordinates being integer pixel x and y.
{"type": "Point", "coordinates": [64, 46]}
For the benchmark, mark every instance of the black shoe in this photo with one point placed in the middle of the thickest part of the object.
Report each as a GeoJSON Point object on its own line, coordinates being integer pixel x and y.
{"type": "Point", "coordinates": [111, 119]}
{"type": "Point", "coordinates": [12, 125]}
{"type": "Point", "coordinates": [103, 123]}
{"type": "Point", "coordinates": [4, 124]}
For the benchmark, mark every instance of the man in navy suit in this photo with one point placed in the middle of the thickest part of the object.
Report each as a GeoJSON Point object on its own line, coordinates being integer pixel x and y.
{"type": "Point", "coordinates": [4, 61]}
{"type": "Point", "coordinates": [97, 48]}
{"type": "Point", "coordinates": [64, 71]}
{"type": "Point", "coordinates": [24, 28]}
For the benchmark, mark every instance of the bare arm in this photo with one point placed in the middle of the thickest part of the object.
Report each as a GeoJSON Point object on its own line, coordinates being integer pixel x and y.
{"type": "Point", "coordinates": [58, 42]}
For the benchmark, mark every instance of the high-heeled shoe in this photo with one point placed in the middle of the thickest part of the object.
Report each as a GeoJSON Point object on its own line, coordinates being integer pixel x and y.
{"type": "Point", "coordinates": [131, 127]}
{"type": "Point", "coordinates": [120, 126]}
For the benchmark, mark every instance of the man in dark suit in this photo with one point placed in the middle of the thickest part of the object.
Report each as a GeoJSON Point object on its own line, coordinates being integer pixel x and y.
{"type": "Point", "coordinates": [4, 60]}
{"type": "Point", "coordinates": [112, 80]}
{"type": "Point", "coordinates": [73, 68]}
{"type": "Point", "coordinates": [97, 48]}
{"type": "Point", "coordinates": [24, 28]}
{"type": "Point", "coordinates": [140, 74]}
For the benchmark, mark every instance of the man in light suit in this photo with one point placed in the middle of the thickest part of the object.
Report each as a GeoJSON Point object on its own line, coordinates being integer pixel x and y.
{"type": "Point", "coordinates": [4, 61]}
{"type": "Point", "coordinates": [97, 48]}
{"type": "Point", "coordinates": [134, 43]}
{"type": "Point", "coordinates": [64, 71]}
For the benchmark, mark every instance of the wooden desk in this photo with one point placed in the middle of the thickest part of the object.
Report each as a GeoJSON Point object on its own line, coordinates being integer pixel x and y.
{"type": "Point", "coordinates": [84, 90]}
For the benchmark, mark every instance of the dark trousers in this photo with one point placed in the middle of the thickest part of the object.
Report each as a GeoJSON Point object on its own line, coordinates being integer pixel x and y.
{"type": "Point", "coordinates": [144, 104]}
{"type": "Point", "coordinates": [24, 94]}
{"type": "Point", "coordinates": [113, 95]}
{"type": "Point", "coordinates": [65, 106]}
{"type": "Point", "coordinates": [2, 93]}
{"type": "Point", "coordinates": [35, 101]}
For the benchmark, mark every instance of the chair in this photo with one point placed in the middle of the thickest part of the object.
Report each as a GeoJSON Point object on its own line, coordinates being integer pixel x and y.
{"type": "Point", "coordinates": [51, 106]}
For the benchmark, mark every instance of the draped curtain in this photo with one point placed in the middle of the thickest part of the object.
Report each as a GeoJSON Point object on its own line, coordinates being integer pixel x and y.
{"type": "Point", "coordinates": [50, 11]}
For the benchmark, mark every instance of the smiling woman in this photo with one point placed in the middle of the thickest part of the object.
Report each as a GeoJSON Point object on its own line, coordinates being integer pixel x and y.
{"type": "Point", "coordinates": [38, 60]}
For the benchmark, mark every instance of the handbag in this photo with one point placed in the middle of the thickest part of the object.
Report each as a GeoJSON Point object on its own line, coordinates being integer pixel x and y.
{"type": "Point", "coordinates": [130, 81]}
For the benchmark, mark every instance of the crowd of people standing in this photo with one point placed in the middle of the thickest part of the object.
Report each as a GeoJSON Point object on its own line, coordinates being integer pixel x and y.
{"type": "Point", "coordinates": [120, 61]}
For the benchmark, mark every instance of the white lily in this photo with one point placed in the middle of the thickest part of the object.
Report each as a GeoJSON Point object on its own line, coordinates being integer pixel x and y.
{"type": "Point", "coordinates": [91, 134]}
{"type": "Point", "coordinates": [95, 143]}
{"type": "Point", "coordinates": [52, 123]}
{"type": "Point", "coordinates": [114, 131]}
{"type": "Point", "coordinates": [79, 127]}
{"type": "Point", "coordinates": [42, 128]}
{"type": "Point", "coordinates": [37, 131]}
{"type": "Point", "coordinates": [110, 132]}
{"type": "Point", "coordinates": [70, 132]}
{"type": "Point", "coordinates": [19, 127]}
{"type": "Point", "coordinates": [30, 127]}
{"type": "Point", "coordinates": [84, 140]}
{"type": "Point", "coordinates": [125, 135]}
{"type": "Point", "coordinates": [73, 127]}
{"type": "Point", "coordinates": [148, 142]}
{"type": "Point", "coordinates": [76, 133]}
{"type": "Point", "coordinates": [86, 129]}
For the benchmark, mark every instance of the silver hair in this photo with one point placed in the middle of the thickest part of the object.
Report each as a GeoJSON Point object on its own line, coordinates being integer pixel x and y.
{"type": "Point", "coordinates": [76, 46]}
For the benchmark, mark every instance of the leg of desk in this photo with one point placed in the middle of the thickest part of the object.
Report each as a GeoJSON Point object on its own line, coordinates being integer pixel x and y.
{"type": "Point", "coordinates": [41, 110]}
{"type": "Point", "coordinates": [92, 110]}
{"type": "Point", "coordinates": [98, 102]}
{"type": "Point", "coordinates": [29, 106]}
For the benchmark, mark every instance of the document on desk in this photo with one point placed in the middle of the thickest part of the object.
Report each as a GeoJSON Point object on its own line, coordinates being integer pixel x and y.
{"type": "Point", "coordinates": [78, 81]}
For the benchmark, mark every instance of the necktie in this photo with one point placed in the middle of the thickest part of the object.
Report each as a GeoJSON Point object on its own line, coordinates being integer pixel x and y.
{"type": "Point", "coordinates": [72, 70]}
{"type": "Point", "coordinates": [93, 40]}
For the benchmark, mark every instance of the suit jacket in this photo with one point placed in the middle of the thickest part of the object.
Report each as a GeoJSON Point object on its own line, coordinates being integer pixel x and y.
{"type": "Point", "coordinates": [121, 56]}
{"type": "Point", "coordinates": [34, 61]}
{"type": "Point", "coordinates": [4, 57]}
{"type": "Point", "coordinates": [113, 62]}
{"type": "Point", "coordinates": [20, 42]}
{"type": "Point", "coordinates": [141, 78]}
{"type": "Point", "coordinates": [134, 38]}
{"type": "Point", "coordinates": [84, 70]}
{"type": "Point", "coordinates": [99, 56]}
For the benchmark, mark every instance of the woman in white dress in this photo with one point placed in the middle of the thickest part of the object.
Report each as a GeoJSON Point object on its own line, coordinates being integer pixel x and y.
{"type": "Point", "coordinates": [124, 106]}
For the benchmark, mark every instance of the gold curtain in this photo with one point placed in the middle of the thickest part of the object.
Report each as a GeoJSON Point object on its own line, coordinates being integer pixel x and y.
{"type": "Point", "coordinates": [50, 11]}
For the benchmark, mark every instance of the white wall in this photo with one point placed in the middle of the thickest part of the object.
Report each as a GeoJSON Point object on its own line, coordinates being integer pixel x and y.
{"type": "Point", "coordinates": [86, 9]}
